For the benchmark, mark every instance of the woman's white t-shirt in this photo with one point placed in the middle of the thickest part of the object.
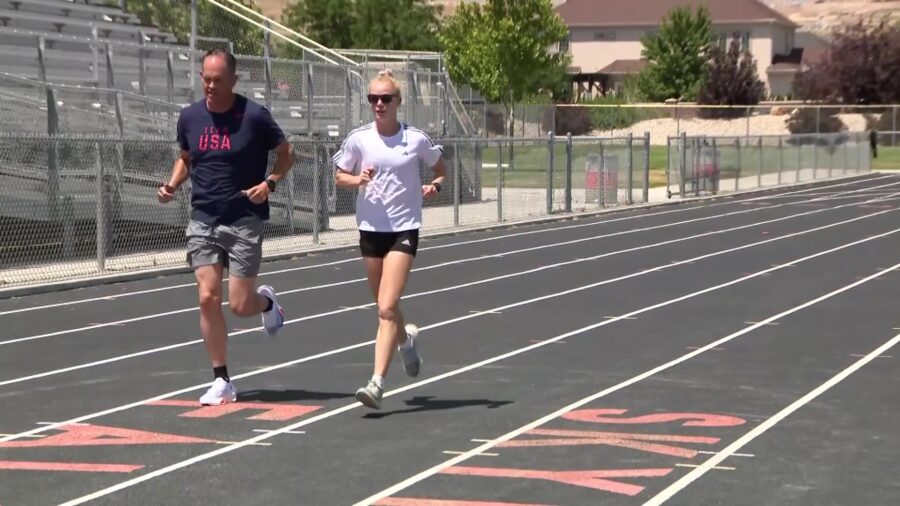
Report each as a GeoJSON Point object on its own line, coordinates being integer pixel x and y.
{"type": "Point", "coordinates": [392, 201]}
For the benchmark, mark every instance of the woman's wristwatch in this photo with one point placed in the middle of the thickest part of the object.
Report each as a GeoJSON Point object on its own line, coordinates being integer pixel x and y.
{"type": "Point", "coordinates": [437, 187]}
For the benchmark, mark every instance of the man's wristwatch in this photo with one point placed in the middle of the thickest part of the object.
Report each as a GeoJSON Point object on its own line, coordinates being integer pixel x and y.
{"type": "Point", "coordinates": [272, 184]}
{"type": "Point", "coordinates": [437, 187]}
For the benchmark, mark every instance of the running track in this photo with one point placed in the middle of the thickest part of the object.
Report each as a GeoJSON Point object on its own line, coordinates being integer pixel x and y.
{"type": "Point", "coordinates": [737, 350]}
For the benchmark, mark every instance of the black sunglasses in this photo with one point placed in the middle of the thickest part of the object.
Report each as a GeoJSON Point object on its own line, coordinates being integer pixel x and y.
{"type": "Point", "coordinates": [386, 99]}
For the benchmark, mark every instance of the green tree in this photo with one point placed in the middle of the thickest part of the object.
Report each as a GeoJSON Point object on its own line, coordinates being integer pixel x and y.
{"type": "Point", "coordinates": [327, 22]}
{"type": "Point", "coordinates": [731, 79]}
{"type": "Point", "coordinates": [212, 21]}
{"type": "Point", "coordinates": [410, 25]}
{"type": "Point", "coordinates": [503, 49]}
{"type": "Point", "coordinates": [676, 56]}
{"type": "Point", "coordinates": [861, 66]}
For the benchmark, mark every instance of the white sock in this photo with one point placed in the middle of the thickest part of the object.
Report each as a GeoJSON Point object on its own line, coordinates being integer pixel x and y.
{"type": "Point", "coordinates": [379, 380]}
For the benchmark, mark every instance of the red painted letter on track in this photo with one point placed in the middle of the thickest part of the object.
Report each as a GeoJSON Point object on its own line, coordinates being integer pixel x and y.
{"type": "Point", "coordinates": [690, 419]}
{"type": "Point", "coordinates": [99, 435]}
{"type": "Point", "coordinates": [595, 479]}
{"type": "Point", "coordinates": [416, 501]}
{"type": "Point", "coordinates": [643, 442]}
{"type": "Point", "coordinates": [271, 411]}
{"type": "Point", "coordinates": [82, 467]}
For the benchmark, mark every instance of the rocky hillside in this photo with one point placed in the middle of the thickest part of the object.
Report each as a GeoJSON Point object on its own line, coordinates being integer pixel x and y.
{"type": "Point", "coordinates": [823, 15]}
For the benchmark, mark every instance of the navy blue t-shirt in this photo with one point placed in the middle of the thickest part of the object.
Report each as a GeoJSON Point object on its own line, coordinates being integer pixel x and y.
{"type": "Point", "coordinates": [229, 153]}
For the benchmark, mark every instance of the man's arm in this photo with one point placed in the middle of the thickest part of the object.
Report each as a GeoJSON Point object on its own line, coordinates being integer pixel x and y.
{"type": "Point", "coordinates": [180, 173]}
{"type": "Point", "coordinates": [284, 160]}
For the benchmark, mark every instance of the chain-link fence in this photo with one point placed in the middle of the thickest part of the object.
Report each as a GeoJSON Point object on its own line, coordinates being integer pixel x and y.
{"type": "Point", "coordinates": [673, 120]}
{"type": "Point", "coordinates": [76, 206]}
{"type": "Point", "coordinates": [712, 164]}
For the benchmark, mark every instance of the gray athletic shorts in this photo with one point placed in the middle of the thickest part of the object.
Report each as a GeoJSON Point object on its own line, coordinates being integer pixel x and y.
{"type": "Point", "coordinates": [237, 246]}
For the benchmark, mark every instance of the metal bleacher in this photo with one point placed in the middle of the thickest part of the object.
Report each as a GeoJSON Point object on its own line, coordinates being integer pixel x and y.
{"type": "Point", "coordinates": [59, 42]}
{"type": "Point", "coordinates": [87, 89]}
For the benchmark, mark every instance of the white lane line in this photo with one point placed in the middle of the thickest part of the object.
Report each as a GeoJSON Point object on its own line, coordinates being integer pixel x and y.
{"type": "Point", "coordinates": [745, 455]}
{"type": "Point", "coordinates": [295, 432]}
{"type": "Point", "coordinates": [487, 446]}
{"type": "Point", "coordinates": [719, 468]}
{"type": "Point", "coordinates": [473, 283]}
{"type": "Point", "coordinates": [760, 429]}
{"type": "Point", "coordinates": [95, 326]}
{"type": "Point", "coordinates": [485, 454]}
{"type": "Point", "coordinates": [460, 243]}
{"type": "Point", "coordinates": [577, 404]}
{"type": "Point", "coordinates": [428, 327]}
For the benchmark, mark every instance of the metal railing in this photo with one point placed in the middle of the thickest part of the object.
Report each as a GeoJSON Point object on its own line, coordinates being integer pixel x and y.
{"type": "Point", "coordinates": [712, 164]}
{"type": "Point", "coordinates": [82, 206]}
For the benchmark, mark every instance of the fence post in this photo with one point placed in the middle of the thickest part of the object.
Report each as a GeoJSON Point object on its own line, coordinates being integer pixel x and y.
{"type": "Point", "coordinates": [861, 152]}
{"type": "Point", "coordinates": [192, 49]}
{"type": "Point", "coordinates": [42, 58]}
{"type": "Point", "coordinates": [267, 66]}
{"type": "Point", "coordinates": [846, 156]}
{"type": "Point", "coordinates": [110, 73]}
{"type": "Point", "coordinates": [716, 165]}
{"type": "Point", "coordinates": [113, 187]}
{"type": "Point", "coordinates": [142, 67]}
{"type": "Point", "coordinates": [101, 219]}
{"type": "Point", "coordinates": [780, 158]}
{"type": "Point", "coordinates": [759, 181]}
{"type": "Point", "coordinates": [568, 194]}
{"type": "Point", "coordinates": [799, 158]}
{"type": "Point", "coordinates": [894, 126]}
{"type": "Point", "coordinates": [317, 200]}
{"type": "Point", "coordinates": [500, 180]}
{"type": "Point", "coordinates": [815, 156]}
{"type": "Point", "coordinates": [348, 99]}
{"type": "Point", "coordinates": [457, 184]}
{"type": "Point", "coordinates": [408, 80]}
{"type": "Point", "coordinates": [309, 98]}
{"type": "Point", "coordinates": [832, 141]}
{"type": "Point", "coordinates": [170, 77]}
{"type": "Point", "coordinates": [682, 162]}
{"type": "Point", "coordinates": [646, 152]}
{"type": "Point", "coordinates": [52, 155]}
{"type": "Point", "coordinates": [737, 179]}
{"type": "Point", "coordinates": [629, 157]}
{"type": "Point", "coordinates": [601, 184]}
{"type": "Point", "coordinates": [668, 166]}
{"type": "Point", "coordinates": [291, 197]}
{"type": "Point", "coordinates": [95, 55]}
{"type": "Point", "coordinates": [414, 97]}
{"type": "Point", "coordinates": [550, 156]}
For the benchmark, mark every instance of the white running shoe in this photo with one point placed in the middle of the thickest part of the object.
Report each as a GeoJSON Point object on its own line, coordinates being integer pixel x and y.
{"type": "Point", "coordinates": [412, 362]}
{"type": "Point", "coordinates": [272, 319]}
{"type": "Point", "coordinates": [220, 392]}
{"type": "Point", "coordinates": [370, 395]}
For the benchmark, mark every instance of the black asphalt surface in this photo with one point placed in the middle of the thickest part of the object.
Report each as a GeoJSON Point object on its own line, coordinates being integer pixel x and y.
{"type": "Point", "coordinates": [593, 361]}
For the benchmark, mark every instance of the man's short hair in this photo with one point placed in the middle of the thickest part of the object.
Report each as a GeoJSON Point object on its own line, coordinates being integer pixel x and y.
{"type": "Point", "coordinates": [229, 58]}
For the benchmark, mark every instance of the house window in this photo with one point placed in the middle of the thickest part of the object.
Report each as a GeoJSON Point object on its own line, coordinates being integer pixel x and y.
{"type": "Point", "coordinates": [564, 44]}
{"type": "Point", "coordinates": [745, 41]}
{"type": "Point", "coordinates": [722, 40]}
{"type": "Point", "coordinates": [605, 35]}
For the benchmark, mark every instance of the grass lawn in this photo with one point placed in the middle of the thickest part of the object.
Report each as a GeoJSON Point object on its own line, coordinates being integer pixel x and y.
{"type": "Point", "coordinates": [530, 162]}
{"type": "Point", "coordinates": [530, 165]}
{"type": "Point", "coordinates": [888, 158]}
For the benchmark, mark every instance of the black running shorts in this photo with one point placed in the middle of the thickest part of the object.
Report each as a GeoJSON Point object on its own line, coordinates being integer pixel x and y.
{"type": "Point", "coordinates": [378, 244]}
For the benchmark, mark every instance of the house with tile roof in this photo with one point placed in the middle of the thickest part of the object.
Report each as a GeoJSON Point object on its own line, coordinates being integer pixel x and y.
{"type": "Point", "coordinates": [605, 39]}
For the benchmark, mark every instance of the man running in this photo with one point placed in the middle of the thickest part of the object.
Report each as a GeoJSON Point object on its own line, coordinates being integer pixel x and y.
{"type": "Point", "coordinates": [225, 141]}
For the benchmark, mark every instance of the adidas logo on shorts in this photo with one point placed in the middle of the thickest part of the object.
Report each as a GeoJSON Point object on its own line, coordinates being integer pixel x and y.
{"type": "Point", "coordinates": [406, 242]}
